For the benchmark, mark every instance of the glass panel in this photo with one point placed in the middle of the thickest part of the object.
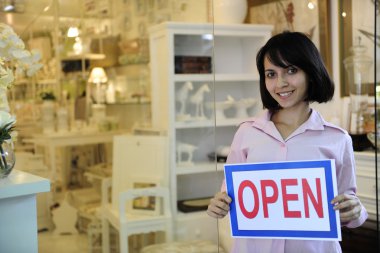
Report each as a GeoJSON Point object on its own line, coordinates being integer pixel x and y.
{"type": "Point", "coordinates": [157, 80]}
{"type": "Point", "coordinates": [376, 43]}
{"type": "Point", "coordinates": [358, 45]}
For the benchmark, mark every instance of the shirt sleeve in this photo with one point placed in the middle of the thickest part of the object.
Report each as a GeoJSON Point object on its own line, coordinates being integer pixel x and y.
{"type": "Point", "coordinates": [346, 179]}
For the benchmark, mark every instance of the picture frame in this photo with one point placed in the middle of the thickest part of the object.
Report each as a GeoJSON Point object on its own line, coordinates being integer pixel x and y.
{"type": "Point", "coordinates": [127, 23]}
{"type": "Point", "coordinates": [295, 15]}
{"type": "Point", "coordinates": [162, 4]}
{"type": "Point", "coordinates": [141, 7]}
{"type": "Point", "coordinates": [145, 205]}
{"type": "Point", "coordinates": [151, 4]}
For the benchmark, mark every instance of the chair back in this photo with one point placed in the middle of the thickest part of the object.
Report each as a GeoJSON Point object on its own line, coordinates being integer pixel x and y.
{"type": "Point", "coordinates": [158, 204]}
{"type": "Point", "coordinates": [139, 161]}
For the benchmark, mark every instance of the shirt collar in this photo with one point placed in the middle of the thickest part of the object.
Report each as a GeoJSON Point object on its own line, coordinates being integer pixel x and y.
{"type": "Point", "coordinates": [263, 122]}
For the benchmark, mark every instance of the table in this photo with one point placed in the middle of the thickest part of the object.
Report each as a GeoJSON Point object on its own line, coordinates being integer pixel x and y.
{"type": "Point", "coordinates": [56, 140]}
{"type": "Point", "coordinates": [18, 219]}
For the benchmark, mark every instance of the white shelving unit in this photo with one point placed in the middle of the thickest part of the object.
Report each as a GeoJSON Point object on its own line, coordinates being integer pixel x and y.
{"type": "Point", "coordinates": [366, 181]}
{"type": "Point", "coordinates": [232, 50]}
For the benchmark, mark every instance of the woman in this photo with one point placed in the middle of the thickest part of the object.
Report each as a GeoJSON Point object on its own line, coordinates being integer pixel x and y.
{"type": "Point", "coordinates": [292, 75]}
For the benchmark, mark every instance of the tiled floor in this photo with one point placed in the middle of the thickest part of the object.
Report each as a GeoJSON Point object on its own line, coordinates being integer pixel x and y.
{"type": "Point", "coordinates": [49, 243]}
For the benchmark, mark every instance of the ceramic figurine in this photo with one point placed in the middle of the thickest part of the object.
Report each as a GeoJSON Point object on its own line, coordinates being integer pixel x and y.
{"type": "Point", "coordinates": [182, 98]}
{"type": "Point", "coordinates": [198, 100]}
{"type": "Point", "coordinates": [185, 150]}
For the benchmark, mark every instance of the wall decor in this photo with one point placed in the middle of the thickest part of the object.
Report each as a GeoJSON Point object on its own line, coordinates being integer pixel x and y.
{"type": "Point", "coordinates": [296, 15]}
{"type": "Point", "coordinates": [127, 23]}
{"type": "Point", "coordinates": [161, 4]}
{"type": "Point", "coordinates": [151, 4]}
{"type": "Point", "coordinates": [141, 7]}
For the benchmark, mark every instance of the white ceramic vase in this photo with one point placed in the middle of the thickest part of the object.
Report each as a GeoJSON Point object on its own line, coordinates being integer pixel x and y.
{"type": "Point", "coordinates": [229, 11]}
{"type": "Point", "coordinates": [48, 116]}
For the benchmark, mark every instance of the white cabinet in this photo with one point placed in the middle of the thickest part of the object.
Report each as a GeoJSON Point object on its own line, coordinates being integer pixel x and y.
{"type": "Point", "coordinates": [366, 181]}
{"type": "Point", "coordinates": [195, 67]}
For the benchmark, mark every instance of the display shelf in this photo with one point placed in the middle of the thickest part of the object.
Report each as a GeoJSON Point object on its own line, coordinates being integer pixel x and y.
{"type": "Point", "coordinates": [190, 216]}
{"type": "Point", "coordinates": [21, 81]}
{"type": "Point", "coordinates": [208, 123]}
{"type": "Point", "coordinates": [366, 181]}
{"type": "Point", "coordinates": [84, 57]}
{"type": "Point", "coordinates": [199, 168]}
{"type": "Point", "coordinates": [216, 77]}
{"type": "Point", "coordinates": [236, 77]}
{"type": "Point", "coordinates": [47, 81]}
{"type": "Point", "coordinates": [194, 124]}
{"type": "Point", "coordinates": [193, 77]}
{"type": "Point", "coordinates": [195, 67]}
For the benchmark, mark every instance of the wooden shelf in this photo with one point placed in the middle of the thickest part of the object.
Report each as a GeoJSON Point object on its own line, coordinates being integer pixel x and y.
{"type": "Point", "coordinates": [84, 57]}
{"type": "Point", "coordinates": [199, 168]}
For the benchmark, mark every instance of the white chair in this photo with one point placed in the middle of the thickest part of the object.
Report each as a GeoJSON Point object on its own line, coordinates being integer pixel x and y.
{"type": "Point", "coordinates": [128, 223]}
{"type": "Point", "coordinates": [139, 161]}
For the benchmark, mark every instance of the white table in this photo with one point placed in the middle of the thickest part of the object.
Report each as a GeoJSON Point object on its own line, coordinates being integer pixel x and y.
{"type": "Point", "coordinates": [18, 211]}
{"type": "Point", "coordinates": [56, 140]}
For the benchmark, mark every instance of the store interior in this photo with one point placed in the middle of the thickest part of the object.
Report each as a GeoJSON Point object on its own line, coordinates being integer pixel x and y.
{"type": "Point", "coordinates": [135, 94]}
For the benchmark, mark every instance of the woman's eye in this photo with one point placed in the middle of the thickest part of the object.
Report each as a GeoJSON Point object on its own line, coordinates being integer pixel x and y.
{"type": "Point", "coordinates": [270, 74]}
{"type": "Point", "coordinates": [292, 70]}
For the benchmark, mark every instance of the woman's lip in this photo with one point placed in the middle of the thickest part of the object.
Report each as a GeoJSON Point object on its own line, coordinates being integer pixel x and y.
{"type": "Point", "coordinates": [285, 94]}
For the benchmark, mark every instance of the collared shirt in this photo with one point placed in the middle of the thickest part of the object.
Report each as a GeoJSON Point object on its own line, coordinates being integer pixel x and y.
{"type": "Point", "coordinates": [258, 140]}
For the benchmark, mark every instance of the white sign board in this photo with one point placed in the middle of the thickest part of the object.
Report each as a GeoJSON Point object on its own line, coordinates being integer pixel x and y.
{"type": "Point", "coordinates": [283, 200]}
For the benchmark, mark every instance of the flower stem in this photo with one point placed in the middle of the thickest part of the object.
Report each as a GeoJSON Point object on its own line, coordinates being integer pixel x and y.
{"type": "Point", "coordinates": [3, 157]}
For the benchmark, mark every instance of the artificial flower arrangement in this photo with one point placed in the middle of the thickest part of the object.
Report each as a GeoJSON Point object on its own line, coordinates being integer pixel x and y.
{"type": "Point", "coordinates": [15, 60]}
{"type": "Point", "coordinates": [7, 159]}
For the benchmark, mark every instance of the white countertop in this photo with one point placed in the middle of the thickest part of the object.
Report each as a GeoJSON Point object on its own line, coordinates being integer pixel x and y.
{"type": "Point", "coordinates": [20, 183]}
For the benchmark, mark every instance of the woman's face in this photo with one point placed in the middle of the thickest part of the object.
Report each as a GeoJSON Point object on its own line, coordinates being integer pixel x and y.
{"type": "Point", "coordinates": [288, 86]}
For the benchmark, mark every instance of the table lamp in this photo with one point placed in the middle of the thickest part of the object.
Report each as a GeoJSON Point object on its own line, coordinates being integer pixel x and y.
{"type": "Point", "coordinates": [98, 76]}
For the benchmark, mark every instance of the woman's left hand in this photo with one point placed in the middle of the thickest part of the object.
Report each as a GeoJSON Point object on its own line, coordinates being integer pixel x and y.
{"type": "Point", "coordinates": [349, 207]}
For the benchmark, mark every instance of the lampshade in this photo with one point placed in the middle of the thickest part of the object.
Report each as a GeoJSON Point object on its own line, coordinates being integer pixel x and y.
{"type": "Point", "coordinates": [98, 75]}
{"type": "Point", "coordinates": [72, 32]}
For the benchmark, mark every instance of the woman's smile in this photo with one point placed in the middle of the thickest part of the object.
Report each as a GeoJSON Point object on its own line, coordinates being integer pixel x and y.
{"type": "Point", "coordinates": [285, 94]}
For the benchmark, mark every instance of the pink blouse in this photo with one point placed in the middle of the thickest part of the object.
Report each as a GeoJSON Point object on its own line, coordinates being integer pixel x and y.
{"type": "Point", "coordinates": [258, 140]}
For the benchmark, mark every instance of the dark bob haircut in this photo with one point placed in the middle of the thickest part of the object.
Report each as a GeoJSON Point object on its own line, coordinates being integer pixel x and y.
{"type": "Point", "coordinates": [295, 48]}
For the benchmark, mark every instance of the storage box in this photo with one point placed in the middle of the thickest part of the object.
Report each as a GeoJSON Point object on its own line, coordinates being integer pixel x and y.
{"type": "Point", "coordinates": [192, 64]}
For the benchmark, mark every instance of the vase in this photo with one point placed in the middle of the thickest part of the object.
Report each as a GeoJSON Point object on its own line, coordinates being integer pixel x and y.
{"type": "Point", "coordinates": [230, 11]}
{"type": "Point", "coordinates": [8, 159]}
{"type": "Point", "coordinates": [48, 116]}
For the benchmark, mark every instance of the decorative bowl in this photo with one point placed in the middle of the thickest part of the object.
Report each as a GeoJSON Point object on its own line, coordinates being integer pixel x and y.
{"type": "Point", "coordinates": [219, 108]}
{"type": "Point", "coordinates": [371, 137]}
{"type": "Point", "coordinates": [242, 105]}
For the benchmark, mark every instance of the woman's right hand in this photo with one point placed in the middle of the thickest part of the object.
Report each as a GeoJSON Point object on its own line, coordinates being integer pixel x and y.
{"type": "Point", "coordinates": [219, 205]}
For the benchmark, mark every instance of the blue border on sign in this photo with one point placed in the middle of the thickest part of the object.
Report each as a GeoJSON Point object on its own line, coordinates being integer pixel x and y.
{"type": "Point", "coordinates": [325, 164]}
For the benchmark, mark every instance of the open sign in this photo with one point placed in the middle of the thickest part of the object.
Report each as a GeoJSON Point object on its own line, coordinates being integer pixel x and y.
{"type": "Point", "coordinates": [283, 200]}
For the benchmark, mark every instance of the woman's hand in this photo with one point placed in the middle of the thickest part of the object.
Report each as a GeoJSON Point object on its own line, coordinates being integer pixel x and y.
{"type": "Point", "coordinates": [219, 205]}
{"type": "Point", "coordinates": [349, 207]}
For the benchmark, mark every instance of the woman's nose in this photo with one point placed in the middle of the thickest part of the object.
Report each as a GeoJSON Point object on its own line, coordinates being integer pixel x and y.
{"type": "Point", "coordinates": [282, 81]}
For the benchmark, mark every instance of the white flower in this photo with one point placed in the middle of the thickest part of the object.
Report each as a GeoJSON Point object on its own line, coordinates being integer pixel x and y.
{"type": "Point", "coordinates": [6, 77]}
{"type": "Point", "coordinates": [6, 120]}
{"type": "Point", "coordinates": [14, 58]}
